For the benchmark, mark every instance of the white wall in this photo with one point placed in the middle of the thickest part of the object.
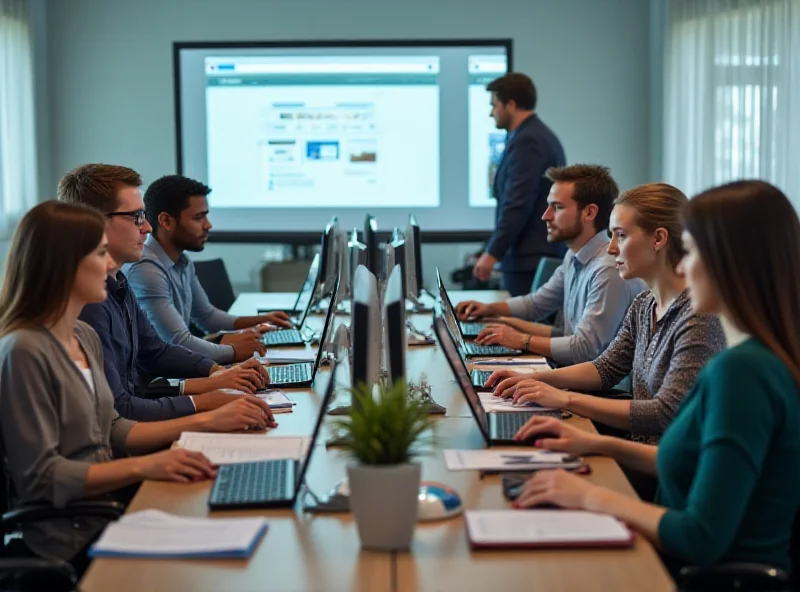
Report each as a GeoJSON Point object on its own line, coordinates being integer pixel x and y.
{"type": "Point", "coordinates": [110, 73]}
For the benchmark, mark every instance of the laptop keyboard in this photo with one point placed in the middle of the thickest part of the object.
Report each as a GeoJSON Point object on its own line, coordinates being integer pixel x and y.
{"type": "Point", "coordinates": [472, 329]}
{"type": "Point", "coordinates": [473, 349]}
{"type": "Point", "coordinates": [283, 337]}
{"type": "Point", "coordinates": [250, 484]}
{"type": "Point", "coordinates": [290, 374]}
{"type": "Point", "coordinates": [508, 424]}
{"type": "Point", "coordinates": [479, 377]}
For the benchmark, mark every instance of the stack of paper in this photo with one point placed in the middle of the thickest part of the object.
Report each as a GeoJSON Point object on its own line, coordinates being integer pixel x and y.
{"type": "Point", "coordinates": [523, 459]}
{"type": "Point", "coordinates": [157, 534]}
{"type": "Point", "coordinates": [222, 449]}
{"type": "Point", "coordinates": [544, 528]}
{"type": "Point", "coordinates": [277, 400]}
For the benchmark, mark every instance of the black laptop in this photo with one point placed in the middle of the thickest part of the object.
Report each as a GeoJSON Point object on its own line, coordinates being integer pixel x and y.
{"type": "Point", "coordinates": [496, 428]}
{"type": "Point", "coordinates": [268, 483]}
{"type": "Point", "coordinates": [470, 349]}
{"type": "Point", "coordinates": [302, 374]}
{"type": "Point", "coordinates": [295, 336]}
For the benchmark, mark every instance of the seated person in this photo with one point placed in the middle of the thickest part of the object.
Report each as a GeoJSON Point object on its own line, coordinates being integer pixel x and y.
{"type": "Point", "coordinates": [62, 437]}
{"type": "Point", "coordinates": [662, 342]}
{"type": "Point", "coordinates": [729, 463]}
{"type": "Point", "coordinates": [586, 286]}
{"type": "Point", "coordinates": [131, 348]}
{"type": "Point", "coordinates": [165, 282]}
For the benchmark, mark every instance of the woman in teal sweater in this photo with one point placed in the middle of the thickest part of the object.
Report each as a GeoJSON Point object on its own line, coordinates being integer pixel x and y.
{"type": "Point", "coordinates": [729, 464]}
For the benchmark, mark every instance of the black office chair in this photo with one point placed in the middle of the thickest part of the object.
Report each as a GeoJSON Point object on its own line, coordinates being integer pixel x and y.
{"type": "Point", "coordinates": [750, 577]}
{"type": "Point", "coordinates": [20, 570]}
{"type": "Point", "coordinates": [213, 276]}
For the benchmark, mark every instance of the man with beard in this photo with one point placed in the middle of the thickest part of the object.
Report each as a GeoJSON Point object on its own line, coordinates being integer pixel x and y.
{"type": "Point", "coordinates": [586, 287]}
{"type": "Point", "coordinates": [166, 284]}
{"type": "Point", "coordinates": [520, 186]}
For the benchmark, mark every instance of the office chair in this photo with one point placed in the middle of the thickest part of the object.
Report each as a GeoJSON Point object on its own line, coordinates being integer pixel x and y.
{"type": "Point", "coordinates": [20, 570]}
{"type": "Point", "coordinates": [544, 271]}
{"type": "Point", "coordinates": [214, 278]}
{"type": "Point", "coordinates": [741, 576]}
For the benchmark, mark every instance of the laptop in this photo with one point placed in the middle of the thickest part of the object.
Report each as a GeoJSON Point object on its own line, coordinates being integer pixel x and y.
{"type": "Point", "coordinates": [269, 483]}
{"type": "Point", "coordinates": [302, 374]}
{"type": "Point", "coordinates": [497, 429]}
{"type": "Point", "coordinates": [470, 350]}
{"type": "Point", "coordinates": [295, 336]}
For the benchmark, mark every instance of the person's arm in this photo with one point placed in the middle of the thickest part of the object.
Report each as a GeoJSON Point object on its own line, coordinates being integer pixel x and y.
{"type": "Point", "coordinates": [526, 166]}
{"type": "Point", "coordinates": [698, 340]}
{"type": "Point", "coordinates": [546, 300]}
{"type": "Point", "coordinates": [126, 402]}
{"type": "Point", "coordinates": [606, 305]}
{"type": "Point", "coordinates": [159, 358]}
{"type": "Point", "coordinates": [207, 316]}
{"type": "Point", "coordinates": [533, 329]}
{"type": "Point", "coordinates": [154, 295]}
{"type": "Point", "coordinates": [578, 377]}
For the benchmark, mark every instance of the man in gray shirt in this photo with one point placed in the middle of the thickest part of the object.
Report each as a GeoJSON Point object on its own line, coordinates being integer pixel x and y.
{"type": "Point", "coordinates": [165, 282]}
{"type": "Point", "coordinates": [586, 287]}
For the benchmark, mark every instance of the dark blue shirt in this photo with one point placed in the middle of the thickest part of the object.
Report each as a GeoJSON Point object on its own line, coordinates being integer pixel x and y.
{"type": "Point", "coordinates": [131, 346]}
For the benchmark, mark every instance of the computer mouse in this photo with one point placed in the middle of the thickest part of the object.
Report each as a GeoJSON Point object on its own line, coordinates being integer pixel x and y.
{"type": "Point", "coordinates": [437, 501]}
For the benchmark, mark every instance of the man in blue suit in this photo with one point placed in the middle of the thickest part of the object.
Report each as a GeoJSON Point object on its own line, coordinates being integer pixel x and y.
{"type": "Point", "coordinates": [520, 187]}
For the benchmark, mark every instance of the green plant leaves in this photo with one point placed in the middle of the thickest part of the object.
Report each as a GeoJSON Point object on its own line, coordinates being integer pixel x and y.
{"type": "Point", "coordinates": [386, 429]}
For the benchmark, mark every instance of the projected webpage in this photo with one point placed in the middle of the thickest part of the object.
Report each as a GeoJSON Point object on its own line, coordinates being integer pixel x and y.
{"type": "Point", "coordinates": [309, 132]}
{"type": "Point", "coordinates": [486, 142]}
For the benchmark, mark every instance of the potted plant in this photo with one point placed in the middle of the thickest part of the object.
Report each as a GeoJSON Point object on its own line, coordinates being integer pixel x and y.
{"type": "Point", "coordinates": [383, 435]}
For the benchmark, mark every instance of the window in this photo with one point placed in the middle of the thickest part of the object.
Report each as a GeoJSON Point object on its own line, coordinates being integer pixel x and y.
{"type": "Point", "coordinates": [18, 190]}
{"type": "Point", "coordinates": [732, 108]}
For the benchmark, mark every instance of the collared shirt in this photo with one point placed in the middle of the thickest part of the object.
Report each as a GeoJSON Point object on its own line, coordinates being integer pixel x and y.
{"type": "Point", "coordinates": [54, 428]}
{"type": "Point", "coordinates": [664, 361]}
{"type": "Point", "coordinates": [132, 347]}
{"type": "Point", "coordinates": [171, 295]}
{"type": "Point", "coordinates": [594, 299]}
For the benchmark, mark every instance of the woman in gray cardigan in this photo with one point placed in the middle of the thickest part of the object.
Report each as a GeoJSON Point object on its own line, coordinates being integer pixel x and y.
{"type": "Point", "coordinates": [62, 437]}
{"type": "Point", "coordinates": [662, 342]}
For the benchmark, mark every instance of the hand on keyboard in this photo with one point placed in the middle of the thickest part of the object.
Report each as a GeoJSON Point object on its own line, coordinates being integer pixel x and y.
{"type": "Point", "coordinates": [246, 412]}
{"type": "Point", "coordinates": [504, 335]}
{"type": "Point", "coordinates": [245, 344]}
{"type": "Point", "coordinates": [177, 464]}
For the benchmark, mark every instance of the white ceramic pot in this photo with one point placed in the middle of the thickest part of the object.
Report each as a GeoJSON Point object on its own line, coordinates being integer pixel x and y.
{"type": "Point", "coordinates": [383, 499]}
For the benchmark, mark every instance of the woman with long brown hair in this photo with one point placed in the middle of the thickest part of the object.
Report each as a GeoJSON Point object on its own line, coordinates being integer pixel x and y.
{"type": "Point", "coordinates": [62, 438]}
{"type": "Point", "coordinates": [729, 464]}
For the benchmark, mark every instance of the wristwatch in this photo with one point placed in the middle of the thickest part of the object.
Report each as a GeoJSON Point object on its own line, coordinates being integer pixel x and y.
{"type": "Point", "coordinates": [526, 339]}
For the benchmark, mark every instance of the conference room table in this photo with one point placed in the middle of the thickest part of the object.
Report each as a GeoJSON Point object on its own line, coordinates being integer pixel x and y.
{"type": "Point", "coordinates": [321, 552]}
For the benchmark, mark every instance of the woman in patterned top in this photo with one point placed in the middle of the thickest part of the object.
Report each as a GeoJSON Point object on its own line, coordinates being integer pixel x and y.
{"type": "Point", "coordinates": [662, 342]}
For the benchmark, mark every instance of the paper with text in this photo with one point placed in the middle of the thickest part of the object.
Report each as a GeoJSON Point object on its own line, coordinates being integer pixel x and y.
{"type": "Point", "coordinates": [235, 448]}
{"type": "Point", "coordinates": [509, 527]}
{"type": "Point", "coordinates": [509, 459]}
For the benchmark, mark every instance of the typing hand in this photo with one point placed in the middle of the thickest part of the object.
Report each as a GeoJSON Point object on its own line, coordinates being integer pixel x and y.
{"type": "Point", "coordinates": [502, 382]}
{"type": "Point", "coordinates": [471, 309]}
{"type": "Point", "coordinates": [246, 412]}
{"type": "Point", "coordinates": [279, 318]}
{"type": "Point", "coordinates": [177, 464]}
{"type": "Point", "coordinates": [248, 377]}
{"type": "Point", "coordinates": [536, 391]}
{"type": "Point", "coordinates": [555, 487]}
{"type": "Point", "coordinates": [560, 436]}
{"type": "Point", "coordinates": [497, 334]}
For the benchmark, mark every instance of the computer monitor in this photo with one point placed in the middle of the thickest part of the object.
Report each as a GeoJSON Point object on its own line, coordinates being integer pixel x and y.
{"type": "Point", "coordinates": [394, 327]}
{"type": "Point", "coordinates": [356, 255]}
{"type": "Point", "coordinates": [414, 282]}
{"type": "Point", "coordinates": [305, 297]}
{"type": "Point", "coordinates": [329, 258]}
{"type": "Point", "coordinates": [365, 329]}
{"type": "Point", "coordinates": [388, 260]}
{"type": "Point", "coordinates": [371, 242]}
{"type": "Point", "coordinates": [398, 243]}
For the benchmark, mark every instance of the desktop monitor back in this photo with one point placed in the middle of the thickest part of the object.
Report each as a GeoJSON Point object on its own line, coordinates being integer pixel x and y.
{"type": "Point", "coordinates": [371, 242]}
{"type": "Point", "coordinates": [356, 255]}
{"type": "Point", "coordinates": [329, 257]}
{"type": "Point", "coordinates": [394, 325]}
{"type": "Point", "coordinates": [365, 329]}
{"type": "Point", "coordinates": [414, 281]}
{"type": "Point", "coordinates": [398, 244]}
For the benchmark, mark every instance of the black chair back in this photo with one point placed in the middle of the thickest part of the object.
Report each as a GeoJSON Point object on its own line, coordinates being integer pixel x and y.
{"type": "Point", "coordinates": [213, 277]}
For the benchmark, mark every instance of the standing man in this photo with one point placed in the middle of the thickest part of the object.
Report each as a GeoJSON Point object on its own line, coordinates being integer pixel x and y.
{"type": "Point", "coordinates": [520, 186]}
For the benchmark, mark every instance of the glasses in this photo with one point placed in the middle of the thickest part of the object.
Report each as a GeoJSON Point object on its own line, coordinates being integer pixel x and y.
{"type": "Point", "coordinates": [137, 215]}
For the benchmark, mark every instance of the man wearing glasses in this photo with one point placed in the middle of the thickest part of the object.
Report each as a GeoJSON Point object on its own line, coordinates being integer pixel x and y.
{"type": "Point", "coordinates": [131, 347]}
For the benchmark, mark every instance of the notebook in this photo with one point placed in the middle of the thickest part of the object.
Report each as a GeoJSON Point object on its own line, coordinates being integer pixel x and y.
{"type": "Point", "coordinates": [156, 534]}
{"type": "Point", "coordinates": [223, 449]}
{"type": "Point", "coordinates": [490, 529]}
{"type": "Point", "coordinates": [277, 400]}
{"type": "Point", "coordinates": [493, 459]}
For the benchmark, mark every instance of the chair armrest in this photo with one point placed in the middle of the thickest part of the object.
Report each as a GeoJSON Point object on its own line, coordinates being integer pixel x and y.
{"type": "Point", "coordinates": [100, 509]}
{"type": "Point", "coordinates": [753, 577]}
{"type": "Point", "coordinates": [21, 566]}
